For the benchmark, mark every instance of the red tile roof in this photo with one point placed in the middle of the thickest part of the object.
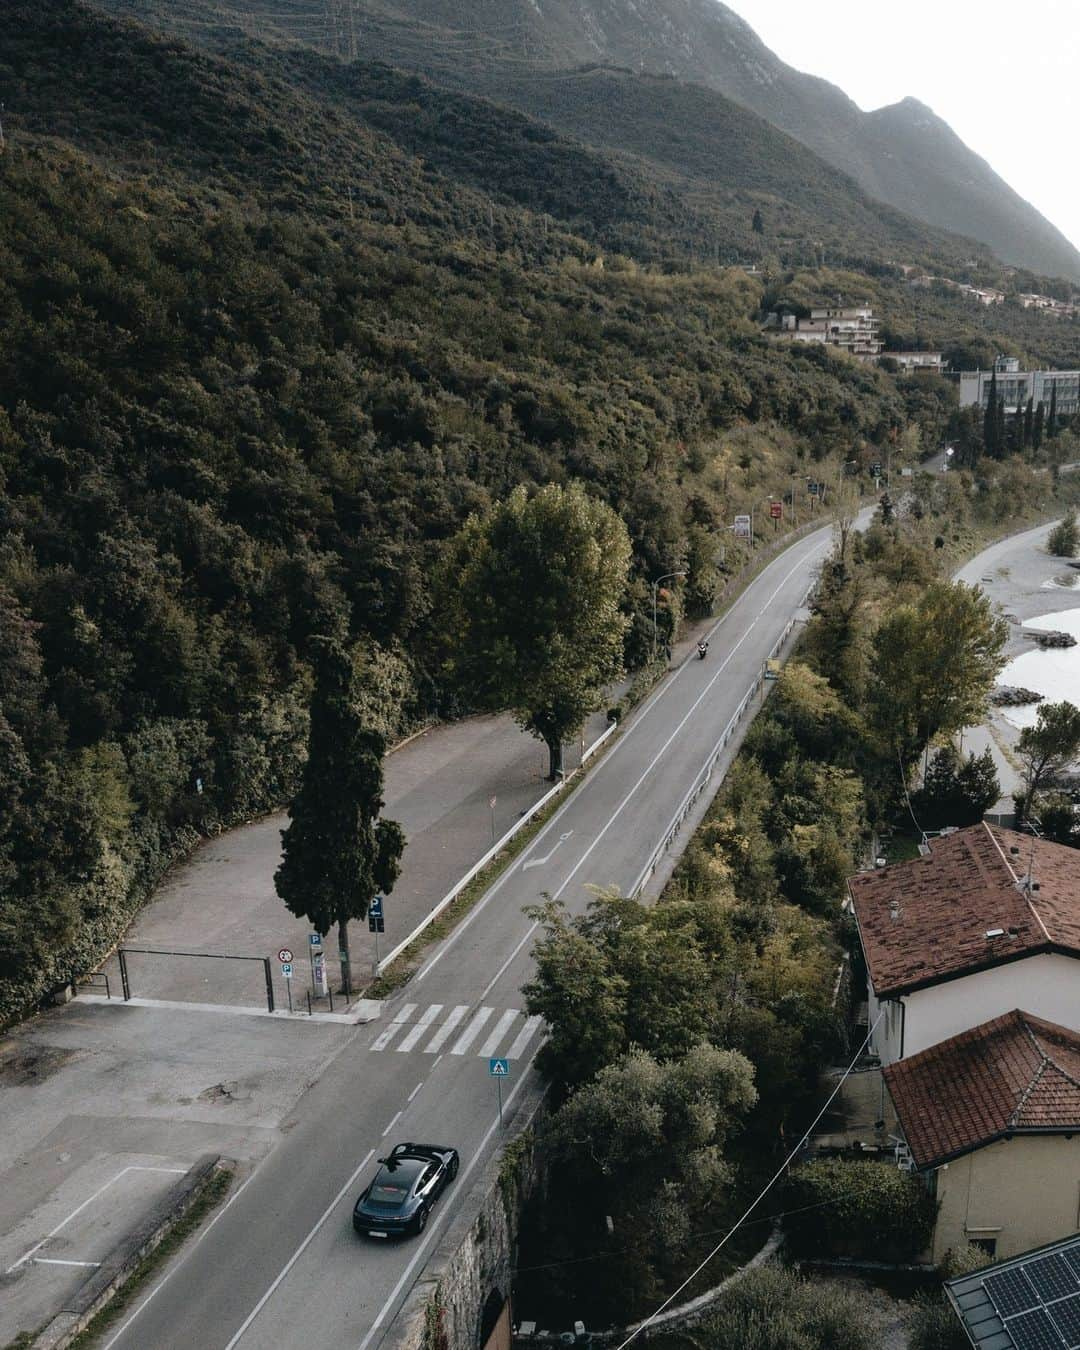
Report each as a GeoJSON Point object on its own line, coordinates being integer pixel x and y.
{"type": "Point", "coordinates": [926, 920]}
{"type": "Point", "coordinates": [1014, 1074]}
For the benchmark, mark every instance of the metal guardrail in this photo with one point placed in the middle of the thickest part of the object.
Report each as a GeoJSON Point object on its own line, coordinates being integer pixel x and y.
{"type": "Point", "coordinates": [704, 775]}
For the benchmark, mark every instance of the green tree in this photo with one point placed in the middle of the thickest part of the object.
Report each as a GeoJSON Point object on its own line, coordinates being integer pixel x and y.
{"type": "Point", "coordinates": [1052, 417]}
{"type": "Point", "coordinates": [1029, 422]}
{"type": "Point", "coordinates": [1064, 538]}
{"type": "Point", "coordinates": [935, 662]}
{"type": "Point", "coordinates": [773, 1308]}
{"type": "Point", "coordinates": [956, 792]}
{"type": "Point", "coordinates": [1038, 428]}
{"type": "Point", "coordinates": [530, 598]}
{"type": "Point", "coordinates": [758, 222]}
{"type": "Point", "coordinates": [990, 438]}
{"type": "Point", "coordinates": [1046, 749]}
{"type": "Point", "coordinates": [338, 853]}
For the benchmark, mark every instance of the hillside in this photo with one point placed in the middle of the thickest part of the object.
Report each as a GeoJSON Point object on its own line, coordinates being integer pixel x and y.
{"type": "Point", "coordinates": [902, 155]}
{"type": "Point", "coordinates": [232, 417]}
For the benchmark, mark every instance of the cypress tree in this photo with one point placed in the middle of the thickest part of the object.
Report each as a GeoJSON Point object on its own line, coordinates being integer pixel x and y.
{"type": "Point", "coordinates": [1052, 420]}
{"type": "Point", "coordinates": [999, 429]}
{"type": "Point", "coordinates": [990, 419]}
{"type": "Point", "coordinates": [1029, 418]}
{"type": "Point", "coordinates": [1037, 429]}
{"type": "Point", "coordinates": [337, 852]}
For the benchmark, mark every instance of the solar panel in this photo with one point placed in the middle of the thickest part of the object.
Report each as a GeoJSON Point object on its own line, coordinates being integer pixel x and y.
{"type": "Point", "coordinates": [1052, 1277]}
{"type": "Point", "coordinates": [1011, 1292]}
{"type": "Point", "coordinates": [1065, 1315]}
{"type": "Point", "coordinates": [1072, 1255]}
{"type": "Point", "coordinates": [1034, 1330]}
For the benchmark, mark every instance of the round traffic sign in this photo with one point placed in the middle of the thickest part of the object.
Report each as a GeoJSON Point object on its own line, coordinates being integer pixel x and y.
{"type": "Point", "coordinates": [284, 954]}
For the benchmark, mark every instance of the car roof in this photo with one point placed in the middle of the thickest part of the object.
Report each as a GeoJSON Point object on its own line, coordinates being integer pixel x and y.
{"type": "Point", "coordinates": [426, 1152]}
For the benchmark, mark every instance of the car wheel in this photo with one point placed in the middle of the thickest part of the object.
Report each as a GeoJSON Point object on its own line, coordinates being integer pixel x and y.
{"type": "Point", "coordinates": [453, 1168]}
{"type": "Point", "coordinates": [421, 1221]}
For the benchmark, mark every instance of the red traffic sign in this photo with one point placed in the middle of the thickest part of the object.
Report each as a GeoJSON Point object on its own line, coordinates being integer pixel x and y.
{"type": "Point", "coordinates": [284, 956]}
{"type": "Point", "coordinates": [776, 510]}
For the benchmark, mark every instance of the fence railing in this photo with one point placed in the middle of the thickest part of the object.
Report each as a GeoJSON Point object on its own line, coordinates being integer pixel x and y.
{"type": "Point", "coordinates": [705, 773]}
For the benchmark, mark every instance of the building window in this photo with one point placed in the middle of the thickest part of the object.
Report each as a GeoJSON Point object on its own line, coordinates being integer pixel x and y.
{"type": "Point", "coordinates": [987, 1245]}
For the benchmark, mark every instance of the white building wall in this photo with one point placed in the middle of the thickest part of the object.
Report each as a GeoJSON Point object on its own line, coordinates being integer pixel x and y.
{"type": "Point", "coordinates": [1047, 986]}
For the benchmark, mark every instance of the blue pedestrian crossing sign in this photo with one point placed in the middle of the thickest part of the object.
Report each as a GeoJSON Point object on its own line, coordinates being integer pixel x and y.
{"type": "Point", "coordinates": [499, 1068]}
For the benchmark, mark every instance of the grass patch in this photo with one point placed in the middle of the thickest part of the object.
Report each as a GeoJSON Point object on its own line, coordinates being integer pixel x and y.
{"type": "Point", "coordinates": [212, 1193]}
{"type": "Point", "coordinates": [900, 848]}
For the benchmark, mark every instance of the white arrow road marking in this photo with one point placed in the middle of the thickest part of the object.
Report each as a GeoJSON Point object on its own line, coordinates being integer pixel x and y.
{"type": "Point", "coordinates": [539, 862]}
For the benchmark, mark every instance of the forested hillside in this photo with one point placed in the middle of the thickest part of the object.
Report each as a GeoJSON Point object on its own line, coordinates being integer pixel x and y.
{"type": "Point", "coordinates": [232, 417]}
{"type": "Point", "coordinates": [527, 54]}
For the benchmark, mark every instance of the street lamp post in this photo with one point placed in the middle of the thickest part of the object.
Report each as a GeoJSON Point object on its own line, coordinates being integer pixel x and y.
{"type": "Point", "coordinates": [655, 587]}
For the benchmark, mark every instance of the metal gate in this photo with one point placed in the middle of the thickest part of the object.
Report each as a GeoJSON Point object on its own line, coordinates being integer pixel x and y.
{"type": "Point", "coordinates": [123, 953]}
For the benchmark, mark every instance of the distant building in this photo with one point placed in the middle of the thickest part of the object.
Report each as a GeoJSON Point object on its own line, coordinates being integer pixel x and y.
{"type": "Point", "coordinates": [854, 330]}
{"type": "Point", "coordinates": [1016, 386]}
{"type": "Point", "coordinates": [932, 361]}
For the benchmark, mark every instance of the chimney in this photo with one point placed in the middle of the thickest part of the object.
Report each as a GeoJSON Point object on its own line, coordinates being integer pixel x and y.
{"type": "Point", "coordinates": [894, 910]}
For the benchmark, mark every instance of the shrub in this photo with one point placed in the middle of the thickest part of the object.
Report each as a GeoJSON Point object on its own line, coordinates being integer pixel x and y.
{"type": "Point", "coordinates": [1064, 538]}
{"type": "Point", "coordinates": [853, 1208]}
{"type": "Point", "coordinates": [774, 1309]}
{"type": "Point", "coordinates": [934, 1326]}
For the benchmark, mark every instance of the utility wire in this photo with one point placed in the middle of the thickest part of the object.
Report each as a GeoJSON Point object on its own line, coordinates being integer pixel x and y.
{"type": "Point", "coordinates": [641, 1326]}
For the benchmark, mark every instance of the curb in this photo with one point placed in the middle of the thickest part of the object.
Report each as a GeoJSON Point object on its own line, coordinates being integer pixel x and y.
{"type": "Point", "coordinates": [124, 1259]}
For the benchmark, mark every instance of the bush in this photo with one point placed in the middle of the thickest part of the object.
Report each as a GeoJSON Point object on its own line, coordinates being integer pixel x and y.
{"type": "Point", "coordinates": [934, 1326]}
{"type": "Point", "coordinates": [1064, 538]}
{"type": "Point", "coordinates": [863, 1209]}
{"type": "Point", "coordinates": [774, 1309]}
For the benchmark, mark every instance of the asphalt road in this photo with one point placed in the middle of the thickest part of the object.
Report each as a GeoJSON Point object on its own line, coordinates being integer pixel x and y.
{"type": "Point", "coordinates": [280, 1265]}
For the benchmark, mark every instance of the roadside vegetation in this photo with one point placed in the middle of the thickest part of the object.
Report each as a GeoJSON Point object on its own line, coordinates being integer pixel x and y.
{"type": "Point", "coordinates": [731, 992]}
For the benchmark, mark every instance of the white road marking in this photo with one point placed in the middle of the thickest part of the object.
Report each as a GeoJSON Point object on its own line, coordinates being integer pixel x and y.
{"type": "Point", "coordinates": [400, 1018]}
{"type": "Point", "coordinates": [426, 1018]}
{"type": "Point", "coordinates": [180, 1171]}
{"type": "Point", "coordinates": [298, 1253]}
{"type": "Point", "coordinates": [523, 1037]}
{"type": "Point", "coordinates": [611, 757]}
{"type": "Point", "coordinates": [56, 1261]}
{"type": "Point", "coordinates": [443, 1034]}
{"type": "Point", "coordinates": [433, 1228]}
{"type": "Point", "coordinates": [391, 1125]}
{"type": "Point", "coordinates": [170, 1273]}
{"type": "Point", "coordinates": [539, 862]}
{"type": "Point", "coordinates": [415, 1090]}
{"type": "Point", "coordinates": [471, 1031]}
{"type": "Point", "coordinates": [502, 1026]}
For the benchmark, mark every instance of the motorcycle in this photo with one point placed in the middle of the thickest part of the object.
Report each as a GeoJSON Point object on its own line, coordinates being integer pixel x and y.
{"type": "Point", "coordinates": [702, 649]}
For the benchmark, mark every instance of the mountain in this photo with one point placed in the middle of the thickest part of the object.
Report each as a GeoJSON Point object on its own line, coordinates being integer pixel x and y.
{"type": "Point", "coordinates": [903, 155]}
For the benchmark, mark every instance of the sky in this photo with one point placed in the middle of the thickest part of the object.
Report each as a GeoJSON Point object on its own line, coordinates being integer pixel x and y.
{"type": "Point", "coordinates": [1005, 76]}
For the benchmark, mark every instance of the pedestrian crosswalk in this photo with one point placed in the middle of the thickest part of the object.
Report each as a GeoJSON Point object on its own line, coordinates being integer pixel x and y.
{"type": "Point", "coordinates": [436, 1030]}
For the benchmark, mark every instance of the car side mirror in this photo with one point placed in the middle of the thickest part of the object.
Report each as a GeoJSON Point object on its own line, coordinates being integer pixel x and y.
{"type": "Point", "coordinates": [382, 1160]}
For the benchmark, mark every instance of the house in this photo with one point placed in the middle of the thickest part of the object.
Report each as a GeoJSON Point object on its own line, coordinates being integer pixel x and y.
{"type": "Point", "coordinates": [1030, 1300]}
{"type": "Point", "coordinates": [916, 361]}
{"type": "Point", "coordinates": [988, 921]}
{"type": "Point", "coordinates": [991, 1120]}
{"type": "Point", "coordinates": [854, 330]}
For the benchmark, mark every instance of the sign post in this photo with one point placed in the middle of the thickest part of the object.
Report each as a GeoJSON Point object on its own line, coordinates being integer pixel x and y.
{"type": "Point", "coordinates": [494, 799]}
{"type": "Point", "coordinates": [319, 986]}
{"type": "Point", "coordinates": [286, 970]}
{"type": "Point", "coordinates": [376, 922]}
{"type": "Point", "coordinates": [499, 1069]}
{"type": "Point", "coordinates": [743, 528]}
{"type": "Point", "coordinates": [776, 510]}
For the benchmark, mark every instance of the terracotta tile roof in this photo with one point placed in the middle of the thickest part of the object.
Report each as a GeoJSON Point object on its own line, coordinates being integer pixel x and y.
{"type": "Point", "coordinates": [926, 920]}
{"type": "Point", "coordinates": [1007, 1076]}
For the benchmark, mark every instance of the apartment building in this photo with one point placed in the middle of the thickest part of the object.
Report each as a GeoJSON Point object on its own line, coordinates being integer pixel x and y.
{"type": "Point", "coordinates": [1016, 386]}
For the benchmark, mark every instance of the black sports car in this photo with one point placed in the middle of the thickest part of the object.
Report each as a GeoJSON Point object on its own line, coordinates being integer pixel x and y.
{"type": "Point", "coordinates": [409, 1181]}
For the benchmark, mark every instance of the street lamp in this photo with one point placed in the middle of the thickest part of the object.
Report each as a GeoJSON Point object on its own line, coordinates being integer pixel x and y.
{"type": "Point", "coordinates": [666, 577]}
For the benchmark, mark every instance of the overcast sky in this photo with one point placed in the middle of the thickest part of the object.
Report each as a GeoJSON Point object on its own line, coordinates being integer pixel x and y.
{"type": "Point", "coordinates": [1004, 75]}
